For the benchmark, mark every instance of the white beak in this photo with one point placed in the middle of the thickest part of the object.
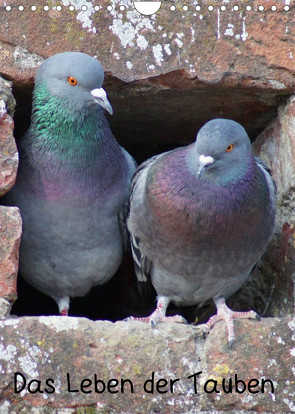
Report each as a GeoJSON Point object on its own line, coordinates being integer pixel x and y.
{"type": "Point", "coordinates": [101, 99]}
{"type": "Point", "coordinates": [204, 162]}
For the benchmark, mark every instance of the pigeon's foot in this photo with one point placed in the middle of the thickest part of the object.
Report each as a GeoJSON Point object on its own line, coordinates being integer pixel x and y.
{"type": "Point", "coordinates": [226, 314]}
{"type": "Point", "coordinates": [155, 318]}
{"type": "Point", "coordinates": [159, 315]}
{"type": "Point", "coordinates": [64, 312]}
{"type": "Point", "coordinates": [63, 305]}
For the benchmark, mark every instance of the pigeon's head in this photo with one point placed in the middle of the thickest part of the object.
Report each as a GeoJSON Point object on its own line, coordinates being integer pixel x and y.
{"type": "Point", "coordinates": [223, 151]}
{"type": "Point", "coordinates": [74, 77]}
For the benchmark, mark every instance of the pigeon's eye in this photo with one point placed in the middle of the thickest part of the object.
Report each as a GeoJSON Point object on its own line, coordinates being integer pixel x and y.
{"type": "Point", "coordinates": [72, 81]}
{"type": "Point", "coordinates": [230, 148]}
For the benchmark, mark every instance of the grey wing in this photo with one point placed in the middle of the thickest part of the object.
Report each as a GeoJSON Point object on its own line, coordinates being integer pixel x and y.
{"type": "Point", "coordinates": [138, 177]}
{"type": "Point", "coordinates": [142, 267]}
{"type": "Point", "coordinates": [268, 175]}
{"type": "Point", "coordinates": [271, 185]}
{"type": "Point", "coordinates": [123, 214]}
{"type": "Point", "coordinates": [142, 264]}
{"type": "Point", "coordinates": [123, 226]}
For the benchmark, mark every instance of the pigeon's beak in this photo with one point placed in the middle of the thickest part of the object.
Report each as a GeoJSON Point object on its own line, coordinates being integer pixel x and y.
{"type": "Point", "coordinates": [204, 162]}
{"type": "Point", "coordinates": [101, 99]}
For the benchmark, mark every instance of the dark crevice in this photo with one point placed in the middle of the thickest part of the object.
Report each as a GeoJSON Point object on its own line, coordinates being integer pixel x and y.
{"type": "Point", "coordinates": [150, 118]}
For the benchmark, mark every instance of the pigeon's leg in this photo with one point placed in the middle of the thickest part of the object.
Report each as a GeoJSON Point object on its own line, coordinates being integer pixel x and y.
{"type": "Point", "coordinates": [159, 315]}
{"type": "Point", "coordinates": [226, 314]}
{"type": "Point", "coordinates": [63, 305]}
{"type": "Point", "coordinates": [64, 312]}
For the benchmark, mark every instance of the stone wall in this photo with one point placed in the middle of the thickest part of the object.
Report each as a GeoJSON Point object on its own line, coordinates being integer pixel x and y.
{"type": "Point", "coordinates": [10, 221]}
{"type": "Point", "coordinates": [46, 349]}
{"type": "Point", "coordinates": [166, 74]}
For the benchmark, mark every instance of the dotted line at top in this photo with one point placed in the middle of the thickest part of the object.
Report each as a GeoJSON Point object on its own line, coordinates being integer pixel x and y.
{"type": "Point", "coordinates": [172, 8]}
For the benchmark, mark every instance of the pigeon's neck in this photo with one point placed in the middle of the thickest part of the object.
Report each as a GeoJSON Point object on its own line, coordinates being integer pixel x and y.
{"type": "Point", "coordinates": [62, 131]}
{"type": "Point", "coordinates": [224, 174]}
{"type": "Point", "coordinates": [72, 153]}
{"type": "Point", "coordinates": [178, 199]}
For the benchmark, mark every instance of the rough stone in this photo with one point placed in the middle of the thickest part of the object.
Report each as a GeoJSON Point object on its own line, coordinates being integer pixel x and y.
{"type": "Point", "coordinates": [6, 96]}
{"type": "Point", "coordinates": [52, 347]}
{"type": "Point", "coordinates": [253, 48]}
{"type": "Point", "coordinates": [8, 150]}
{"type": "Point", "coordinates": [5, 307]}
{"type": "Point", "coordinates": [10, 221]}
{"type": "Point", "coordinates": [10, 230]}
{"type": "Point", "coordinates": [181, 68]}
{"type": "Point", "coordinates": [238, 70]}
{"type": "Point", "coordinates": [276, 146]}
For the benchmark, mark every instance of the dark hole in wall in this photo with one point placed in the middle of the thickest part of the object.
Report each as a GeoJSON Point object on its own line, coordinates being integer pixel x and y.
{"type": "Point", "coordinates": [148, 120]}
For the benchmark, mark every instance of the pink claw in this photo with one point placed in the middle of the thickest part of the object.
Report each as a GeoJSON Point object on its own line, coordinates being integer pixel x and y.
{"type": "Point", "coordinates": [64, 312]}
{"type": "Point", "coordinates": [227, 315]}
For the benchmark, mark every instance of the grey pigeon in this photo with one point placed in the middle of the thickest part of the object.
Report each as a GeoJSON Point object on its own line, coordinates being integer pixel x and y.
{"type": "Point", "coordinates": [73, 182]}
{"type": "Point", "coordinates": [201, 216]}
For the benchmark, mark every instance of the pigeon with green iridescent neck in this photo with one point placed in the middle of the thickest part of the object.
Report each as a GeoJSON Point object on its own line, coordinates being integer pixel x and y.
{"type": "Point", "coordinates": [201, 216]}
{"type": "Point", "coordinates": [73, 182]}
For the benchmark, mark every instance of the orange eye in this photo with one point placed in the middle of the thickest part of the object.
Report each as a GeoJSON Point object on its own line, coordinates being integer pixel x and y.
{"type": "Point", "coordinates": [72, 81]}
{"type": "Point", "coordinates": [230, 148]}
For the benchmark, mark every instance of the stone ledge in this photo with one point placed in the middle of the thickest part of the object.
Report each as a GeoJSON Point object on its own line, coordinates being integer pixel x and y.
{"type": "Point", "coordinates": [50, 347]}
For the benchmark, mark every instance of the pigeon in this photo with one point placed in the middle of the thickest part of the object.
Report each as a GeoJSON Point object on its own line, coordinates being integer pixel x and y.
{"type": "Point", "coordinates": [201, 217]}
{"type": "Point", "coordinates": [73, 182]}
